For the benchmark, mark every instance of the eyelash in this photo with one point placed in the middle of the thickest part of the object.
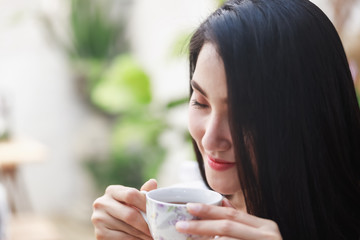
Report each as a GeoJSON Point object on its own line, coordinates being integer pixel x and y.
{"type": "Point", "coordinates": [197, 104]}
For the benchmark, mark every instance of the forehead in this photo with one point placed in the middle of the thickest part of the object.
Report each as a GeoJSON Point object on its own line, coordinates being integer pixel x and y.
{"type": "Point", "coordinates": [209, 71]}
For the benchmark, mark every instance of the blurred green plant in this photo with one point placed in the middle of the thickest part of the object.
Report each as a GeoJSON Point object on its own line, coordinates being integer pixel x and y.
{"type": "Point", "coordinates": [135, 156]}
{"type": "Point", "coordinates": [113, 83]}
{"type": "Point", "coordinates": [94, 34]}
{"type": "Point", "coordinates": [124, 91]}
{"type": "Point", "coordinates": [96, 40]}
{"type": "Point", "coordinates": [117, 86]}
{"type": "Point", "coordinates": [123, 86]}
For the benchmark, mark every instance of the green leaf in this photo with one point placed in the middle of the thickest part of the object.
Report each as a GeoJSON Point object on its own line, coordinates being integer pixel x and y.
{"type": "Point", "coordinates": [177, 102]}
{"type": "Point", "coordinates": [121, 169]}
{"type": "Point", "coordinates": [94, 35]}
{"type": "Point", "coordinates": [123, 87]}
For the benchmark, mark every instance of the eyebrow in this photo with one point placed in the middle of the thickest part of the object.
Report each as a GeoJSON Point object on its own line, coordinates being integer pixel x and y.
{"type": "Point", "coordinates": [197, 87]}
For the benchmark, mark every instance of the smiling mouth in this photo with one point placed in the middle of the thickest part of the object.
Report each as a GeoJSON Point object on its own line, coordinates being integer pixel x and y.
{"type": "Point", "coordinates": [218, 164]}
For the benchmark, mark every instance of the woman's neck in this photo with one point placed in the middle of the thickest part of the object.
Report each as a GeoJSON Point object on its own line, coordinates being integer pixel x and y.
{"type": "Point", "coordinates": [237, 200]}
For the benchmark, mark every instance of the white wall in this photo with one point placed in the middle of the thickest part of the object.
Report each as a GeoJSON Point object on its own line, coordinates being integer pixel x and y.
{"type": "Point", "coordinates": [45, 106]}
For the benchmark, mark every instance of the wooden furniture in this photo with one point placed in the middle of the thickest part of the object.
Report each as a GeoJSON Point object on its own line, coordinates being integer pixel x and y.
{"type": "Point", "coordinates": [14, 153]}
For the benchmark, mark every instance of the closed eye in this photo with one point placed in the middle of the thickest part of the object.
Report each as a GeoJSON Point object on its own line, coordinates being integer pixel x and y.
{"type": "Point", "coordinates": [197, 104]}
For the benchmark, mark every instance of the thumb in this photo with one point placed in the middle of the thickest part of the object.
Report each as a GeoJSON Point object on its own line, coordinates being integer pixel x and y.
{"type": "Point", "coordinates": [149, 185]}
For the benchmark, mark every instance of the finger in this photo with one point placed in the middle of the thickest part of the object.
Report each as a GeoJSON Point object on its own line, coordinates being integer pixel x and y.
{"type": "Point", "coordinates": [128, 215]}
{"type": "Point", "coordinates": [204, 211]}
{"type": "Point", "coordinates": [149, 185]}
{"type": "Point", "coordinates": [129, 196]}
{"type": "Point", "coordinates": [227, 238]}
{"type": "Point", "coordinates": [117, 225]}
{"type": "Point", "coordinates": [109, 206]}
{"type": "Point", "coordinates": [107, 234]}
{"type": "Point", "coordinates": [136, 233]}
{"type": "Point", "coordinates": [110, 223]}
{"type": "Point", "coordinates": [218, 228]}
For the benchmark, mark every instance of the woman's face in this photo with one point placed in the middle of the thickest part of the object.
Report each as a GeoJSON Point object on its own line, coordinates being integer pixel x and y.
{"type": "Point", "coordinates": [208, 121]}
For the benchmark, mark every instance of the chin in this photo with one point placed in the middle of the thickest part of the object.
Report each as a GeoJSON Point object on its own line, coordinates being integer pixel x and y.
{"type": "Point", "coordinates": [226, 183]}
{"type": "Point", "coordinates": [223, 191]}
{"type": "Point", "coordinates": [223, 187]}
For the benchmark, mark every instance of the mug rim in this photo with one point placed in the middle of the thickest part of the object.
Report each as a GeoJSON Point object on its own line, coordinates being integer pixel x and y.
{"type": "Point", "coordinates": [218, 196]}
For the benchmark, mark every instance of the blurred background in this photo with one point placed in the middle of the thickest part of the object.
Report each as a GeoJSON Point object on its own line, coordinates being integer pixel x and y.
{"type": "Point", "coordinates": [93, 93]}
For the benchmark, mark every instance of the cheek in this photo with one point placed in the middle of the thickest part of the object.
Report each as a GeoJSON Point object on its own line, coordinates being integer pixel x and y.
{"type": "Point", "coordinates": [196, 125]}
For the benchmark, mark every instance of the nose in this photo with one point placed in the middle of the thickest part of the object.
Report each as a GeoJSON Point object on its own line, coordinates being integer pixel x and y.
{"type": "Point", "coordinates": [217, 137]}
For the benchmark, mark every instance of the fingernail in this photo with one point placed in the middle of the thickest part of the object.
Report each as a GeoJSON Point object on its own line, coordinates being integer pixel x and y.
{"type": "Point", "coordinates": [194, 207]}
{"type": "Point", "coordinates": [182, 225]}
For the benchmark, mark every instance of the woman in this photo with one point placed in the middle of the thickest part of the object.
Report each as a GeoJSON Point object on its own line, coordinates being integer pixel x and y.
{"type": "Point", "coordinates": [276, 129]}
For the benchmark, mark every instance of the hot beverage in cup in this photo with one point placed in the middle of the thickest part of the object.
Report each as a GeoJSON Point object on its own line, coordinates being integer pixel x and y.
{"type": "Point", "coordinates": [166, 206]}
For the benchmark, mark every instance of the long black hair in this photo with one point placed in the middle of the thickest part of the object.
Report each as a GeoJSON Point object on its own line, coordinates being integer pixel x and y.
{"type": "Point", "coordinates": [291, 95]}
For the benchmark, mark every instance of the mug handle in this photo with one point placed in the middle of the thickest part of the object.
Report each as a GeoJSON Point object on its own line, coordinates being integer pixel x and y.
{"type": "Point", "coordinates": [142, 213]}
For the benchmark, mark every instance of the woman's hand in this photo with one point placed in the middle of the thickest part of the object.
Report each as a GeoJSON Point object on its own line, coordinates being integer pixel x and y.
{"type": "Point", "coordinates": [116, 214]}
{"type": "Point", "coordinates": [228, 223]}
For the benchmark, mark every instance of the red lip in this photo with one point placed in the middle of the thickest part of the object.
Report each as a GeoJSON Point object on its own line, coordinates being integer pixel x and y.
{"type": "Point", "coordinates": [219, 165]}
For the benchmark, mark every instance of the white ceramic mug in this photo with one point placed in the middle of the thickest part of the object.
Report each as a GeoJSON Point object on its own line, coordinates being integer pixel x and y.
{"type": "Point", "coordinates": [166, 206]}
